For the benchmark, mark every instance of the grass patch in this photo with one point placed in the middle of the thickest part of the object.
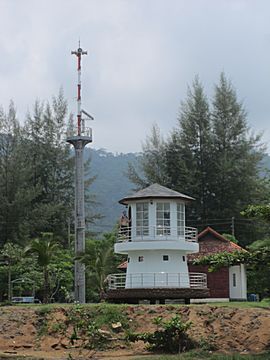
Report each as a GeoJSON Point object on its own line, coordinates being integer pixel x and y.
{"type": "Point", "coordinates": [58, 328]}
{"type": "Point", "coordinates": [42, 327]}
{"type": "Point", "coordinates": [104, 315]}
{"type": "Point", "coordinates": [107, 314]}
{"type": "Point", "coordinates": [242, 304]}
{"type": "Point", "coordinates": [43, 310]}
{"type": "Point", "coordinates": [42, 322]}
{"type": "Point", "coordinates": [195, 355]}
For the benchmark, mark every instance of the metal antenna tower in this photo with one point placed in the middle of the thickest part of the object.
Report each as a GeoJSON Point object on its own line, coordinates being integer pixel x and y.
{"type": "Point", "coordinates": [79, 141]}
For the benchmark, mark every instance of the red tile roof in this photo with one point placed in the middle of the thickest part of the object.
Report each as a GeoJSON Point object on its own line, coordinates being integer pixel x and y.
{"type": "Point", "coordinates": [211, 242]}
{"type": "Point", "coordinates": [122, 266]}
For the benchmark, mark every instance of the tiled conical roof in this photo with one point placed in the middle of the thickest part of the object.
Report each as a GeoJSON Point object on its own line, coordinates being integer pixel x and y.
{"type": "Point", "coordinates": [155, 191]}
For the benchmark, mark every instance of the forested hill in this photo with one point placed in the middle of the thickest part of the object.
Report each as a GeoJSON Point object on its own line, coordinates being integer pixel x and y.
{"type": "Point", "coordinates": [110, 185]}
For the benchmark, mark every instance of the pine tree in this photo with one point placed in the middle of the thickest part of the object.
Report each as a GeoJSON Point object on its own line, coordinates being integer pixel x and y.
{"type": "Point", "coordinates": [51, 166]}
{"type": "Point", "coordinates": [16, 194]}
{"type": "Point", "coordinates": [188, 151]}
{"type": "Point", "coordinates": [211, 156]}
{"type": "Point", "coordinates": [236, 154]}
{"type": "Point", "coordinates": [37, 173]}
{"type": "Point", "coordinates": [152, 163]}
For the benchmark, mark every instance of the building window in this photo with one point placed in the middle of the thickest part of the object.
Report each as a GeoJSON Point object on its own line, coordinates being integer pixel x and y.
{"type": "Point", "coordinates": [163, 219]}
{"type": "Point", "coordinates": [165, 257]}
{"type": "Point", "coordinates": [140, 258]}
{"type": "Point", "coordinates": [142, 219]}
{"type": "Point", "coordinates": [183, 258]}
{"type": "Point", "coordinates": [180, 219]}
{"type": "Point", "coordinates": [234, 280]}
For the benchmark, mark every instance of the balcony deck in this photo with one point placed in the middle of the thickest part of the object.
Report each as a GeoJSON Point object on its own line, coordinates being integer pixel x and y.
{"type": "Point", "coordinates": [117, 292]}
{"type": "Point", "coordinates": [155, 233]}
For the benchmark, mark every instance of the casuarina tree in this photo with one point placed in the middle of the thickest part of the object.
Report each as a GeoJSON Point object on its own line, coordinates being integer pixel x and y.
{"type": "Point", "coordinates": [210, 155]}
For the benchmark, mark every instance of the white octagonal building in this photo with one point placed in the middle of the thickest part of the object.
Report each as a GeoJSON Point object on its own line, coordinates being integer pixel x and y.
{"type": "Point", "coordinates": [156, 242]}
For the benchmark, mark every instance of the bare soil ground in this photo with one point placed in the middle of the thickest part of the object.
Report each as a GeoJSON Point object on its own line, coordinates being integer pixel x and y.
{"type": "Point", "coordinates": [26, 332]}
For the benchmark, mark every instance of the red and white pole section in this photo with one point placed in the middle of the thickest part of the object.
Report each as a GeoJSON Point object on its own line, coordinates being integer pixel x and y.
{"type": "Point", "coordinates": [79, 114]}
{"type": "Point", "coordinates": [79, 54]}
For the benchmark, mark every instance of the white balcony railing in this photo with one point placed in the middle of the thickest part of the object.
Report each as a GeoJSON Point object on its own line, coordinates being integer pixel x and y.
{"type": "Point", "coordinates": [157, 280]}
{"type": "Point", "coordinates": [146, 233]}
{"type": "Point", "coordinates": [85, 131]}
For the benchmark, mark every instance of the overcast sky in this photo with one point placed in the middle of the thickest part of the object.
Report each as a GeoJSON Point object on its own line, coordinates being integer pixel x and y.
{"type": "Point", "coordinates": [142, 54]}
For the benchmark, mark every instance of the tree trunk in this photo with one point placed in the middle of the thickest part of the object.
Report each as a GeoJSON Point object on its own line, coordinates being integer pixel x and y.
{"type": "Point", "coordinates": [46, 287]}
{"type": "Point", "coordinates": [9, 283]}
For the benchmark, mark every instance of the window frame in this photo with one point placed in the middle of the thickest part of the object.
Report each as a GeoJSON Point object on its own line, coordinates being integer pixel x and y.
{"type": "Point", "coordinates": [142, 219]}
{"type": "Point", "coordinates": [180, 210]}
{"type": "Point", "coordinates": [234, 279]}
{"type": "Point", "coordinates": [163, 218]}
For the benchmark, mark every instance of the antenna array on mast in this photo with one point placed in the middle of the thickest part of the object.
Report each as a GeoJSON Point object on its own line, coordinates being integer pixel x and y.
{"type": "Point", "coordinates": [81, 130]}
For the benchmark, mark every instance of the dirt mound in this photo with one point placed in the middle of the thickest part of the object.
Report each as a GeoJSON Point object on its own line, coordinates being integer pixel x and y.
{"type": "Point", "coordinates": [48, 332]}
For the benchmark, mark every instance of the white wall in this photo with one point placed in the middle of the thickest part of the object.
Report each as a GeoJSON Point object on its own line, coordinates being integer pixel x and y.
{"type": "Point", "coordinates": [141, 273]}
{"type": "Point", "coordinates": [238, 290]}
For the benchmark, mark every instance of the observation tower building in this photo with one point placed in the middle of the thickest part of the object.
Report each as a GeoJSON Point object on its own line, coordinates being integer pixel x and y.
{"type": "Point", "coordinates": [156, 242]}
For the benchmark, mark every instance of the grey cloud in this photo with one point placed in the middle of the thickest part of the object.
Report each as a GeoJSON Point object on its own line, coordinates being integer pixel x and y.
{"type": "Point", "coordinates": [142, 55]}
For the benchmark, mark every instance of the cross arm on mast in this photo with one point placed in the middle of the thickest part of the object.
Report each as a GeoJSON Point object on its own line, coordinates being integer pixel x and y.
{"type": "Point", "coordinates": [79, 52]}
{"type": "Point", "coordinates": [88, 115]}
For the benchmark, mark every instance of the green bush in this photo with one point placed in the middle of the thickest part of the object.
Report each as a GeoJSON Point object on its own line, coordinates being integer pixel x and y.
{"type": "Point", "coordinates": [6, 303]}
{"type": "Point", "coordinates": [171, 336]}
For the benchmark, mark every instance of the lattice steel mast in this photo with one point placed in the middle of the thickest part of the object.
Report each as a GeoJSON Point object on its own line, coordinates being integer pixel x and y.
{"type": "Point", "coordinates": [79, 141]}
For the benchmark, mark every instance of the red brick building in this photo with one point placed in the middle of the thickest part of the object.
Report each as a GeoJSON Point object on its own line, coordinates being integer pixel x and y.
{"type": "Point", "coordinates": [226, 283]}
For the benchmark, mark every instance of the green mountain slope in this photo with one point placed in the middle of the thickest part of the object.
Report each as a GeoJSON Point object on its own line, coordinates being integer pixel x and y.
{"type": "Point", "coordinates": [111, 184]}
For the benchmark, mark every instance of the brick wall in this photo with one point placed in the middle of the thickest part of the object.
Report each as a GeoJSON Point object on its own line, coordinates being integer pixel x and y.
{"type": "Point", "coordinates": [217, 282]}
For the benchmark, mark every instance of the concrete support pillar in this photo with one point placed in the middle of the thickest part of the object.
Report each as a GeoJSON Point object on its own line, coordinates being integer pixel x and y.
{"type": "Point", "coordinates": [79, 143]}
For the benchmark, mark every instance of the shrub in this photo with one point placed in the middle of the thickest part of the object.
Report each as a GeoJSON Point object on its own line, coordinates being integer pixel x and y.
{"type": "Point", "coordinates": [170, 336]}
{"type": "Point", "coordinates": [86, 324]}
